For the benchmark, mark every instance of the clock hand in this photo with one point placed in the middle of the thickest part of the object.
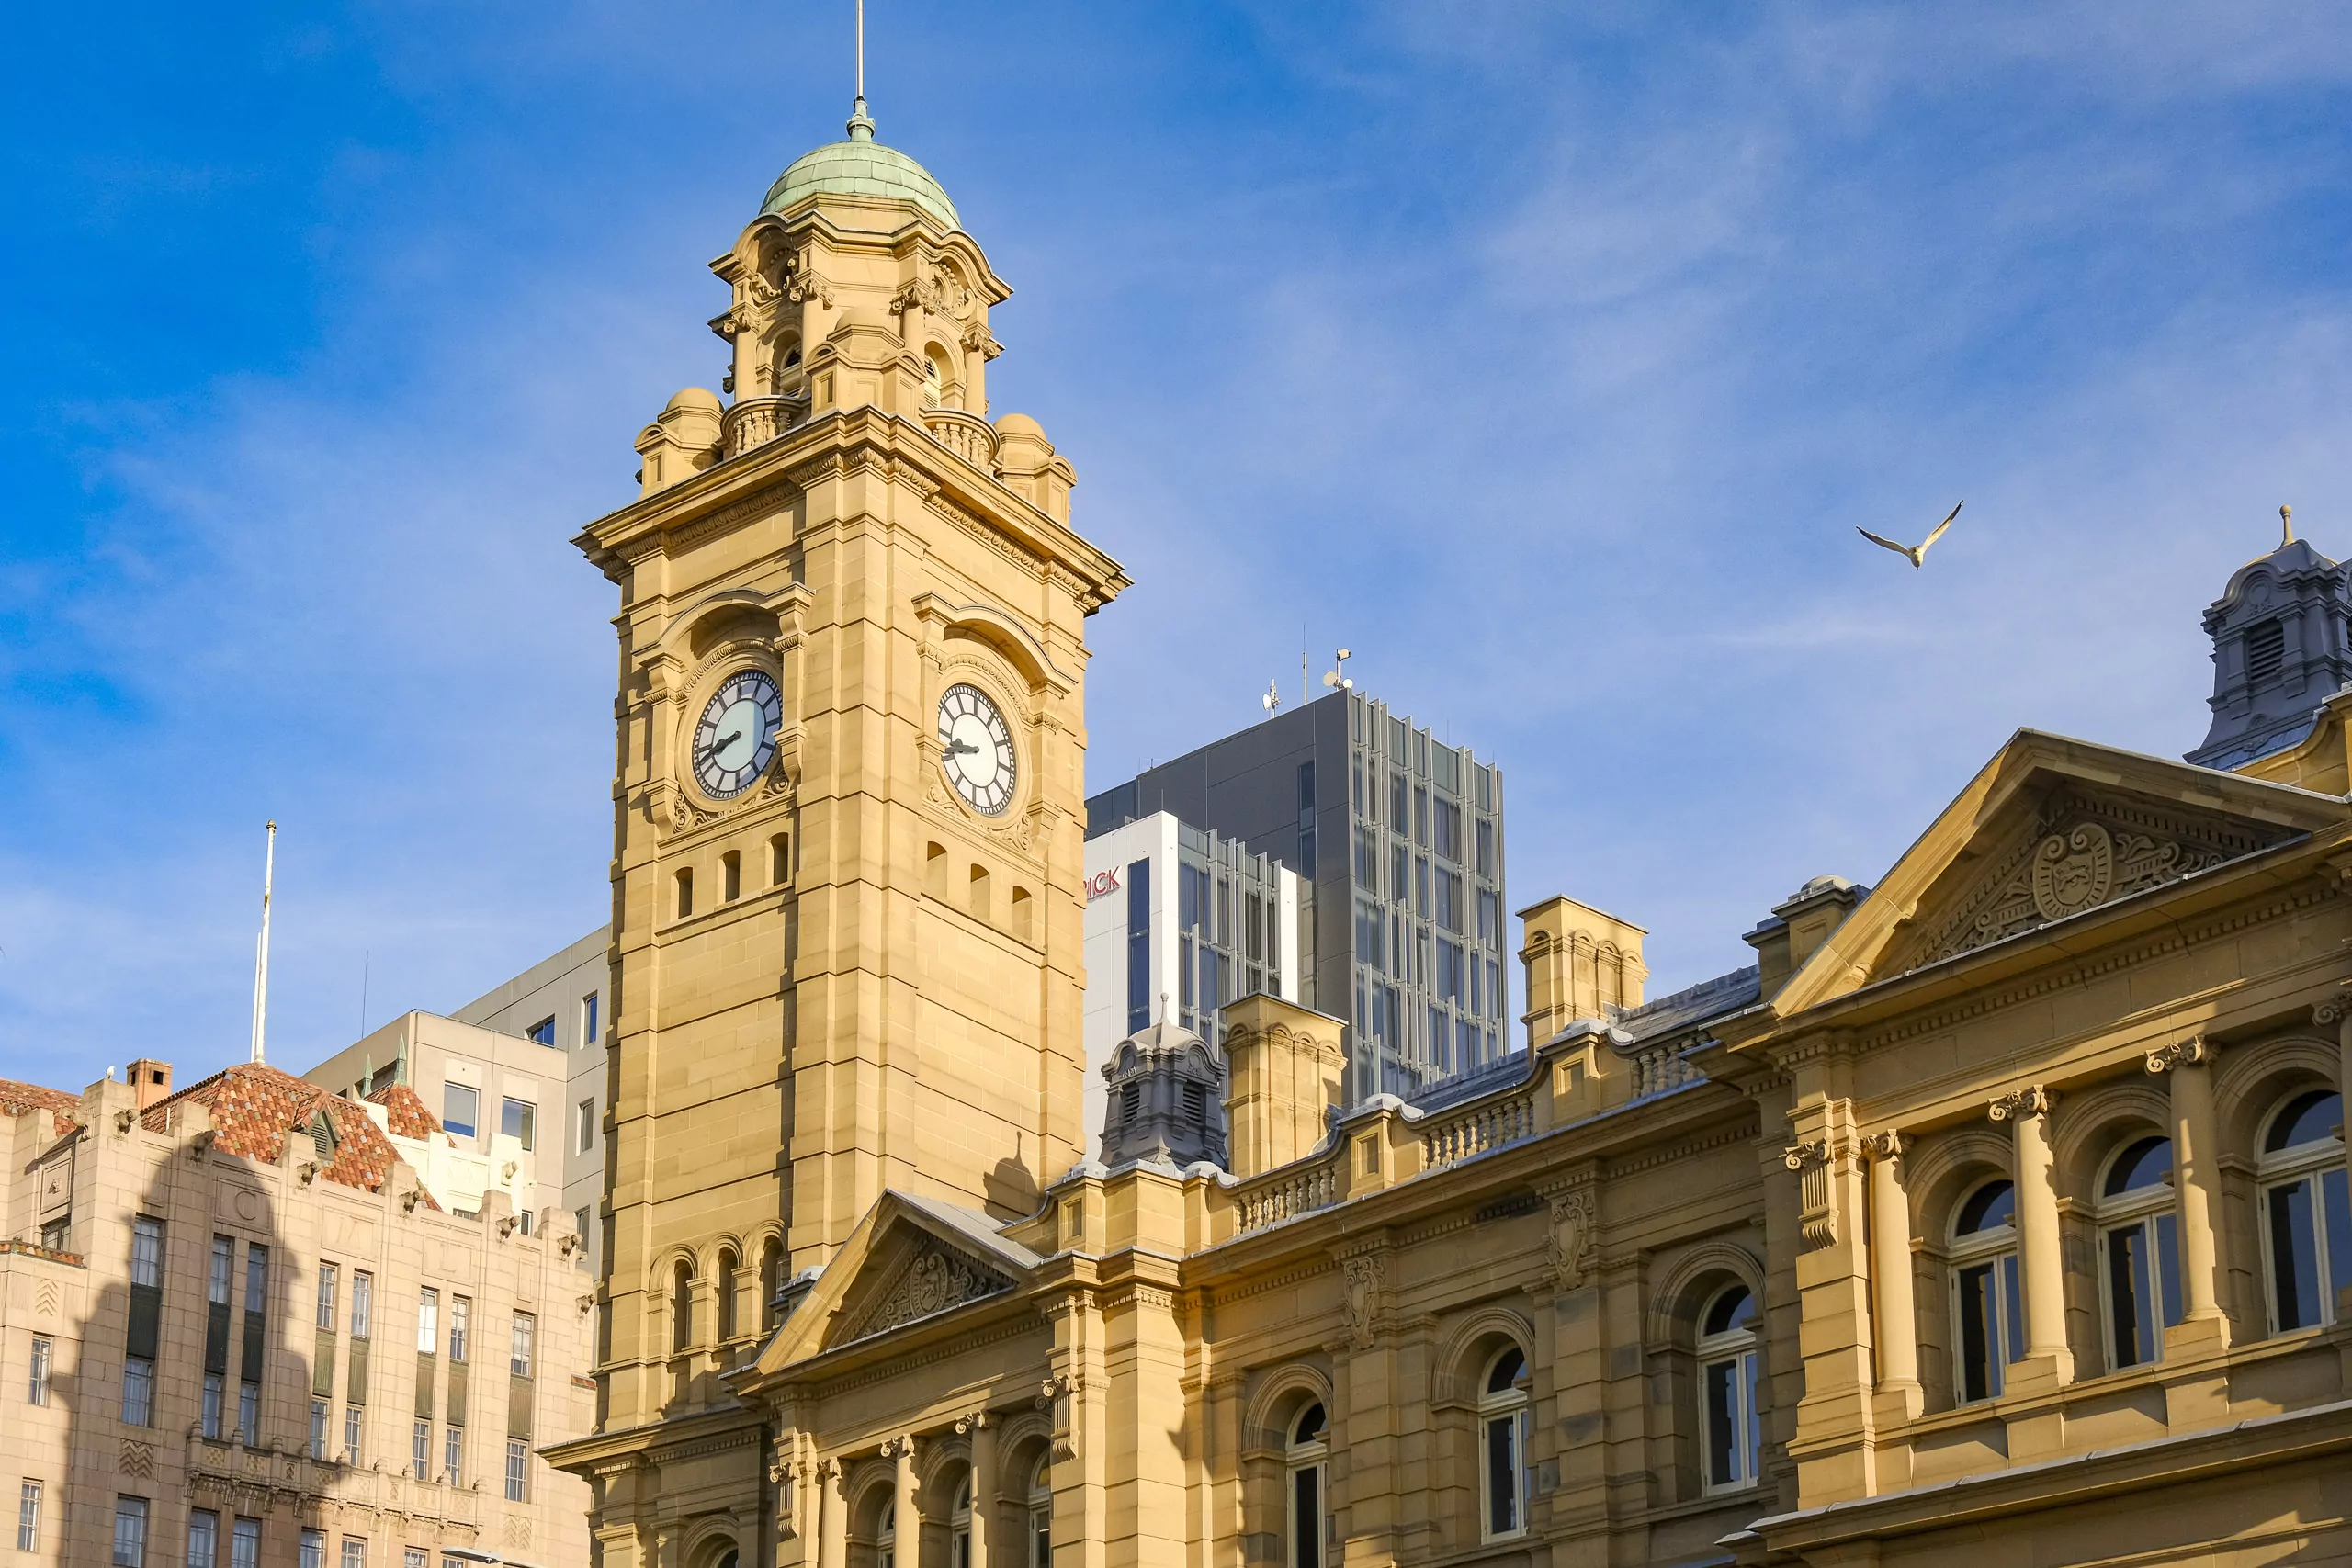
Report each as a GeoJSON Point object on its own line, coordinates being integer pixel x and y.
{"type": "Point", "coordinates": [962, 749]}
{"type": "Point", "coordinates": [717, 746]}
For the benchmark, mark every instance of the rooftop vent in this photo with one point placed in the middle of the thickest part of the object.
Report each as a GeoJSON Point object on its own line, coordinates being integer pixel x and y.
{"type": "Point", "coordinates": [2265, 650]}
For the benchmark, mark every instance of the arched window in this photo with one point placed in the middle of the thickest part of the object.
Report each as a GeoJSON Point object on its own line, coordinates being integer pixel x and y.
{"type": "Point", "coordinates": [2139, 1252]}
{"type": "Point", "coordinates": [2307, 1219]}
{"type": "Point", "coordinates": [770, 1281]}
{"type": "Point", "coordinates": [726, 1294]}
{"type": "Point", "coordinates": [1728, 1364]}
{"type": "Point", "coordinates": [1041, 1515]}
{"type": "Point", "coordinates": [1304, 1453]}
{"type": "Point", "coordinates": [959, 1525]}
{"type": "Point", "coordinates": [935, 381]}
{"type": "Point", "coordinates": [1502, 1431]}
{"type": "Point", "coordinates": [886, 1535]}
{"type": "Point", "coordinates": [1987, 1309]}
{"type": "Point", "coordinates": [682, 1308]}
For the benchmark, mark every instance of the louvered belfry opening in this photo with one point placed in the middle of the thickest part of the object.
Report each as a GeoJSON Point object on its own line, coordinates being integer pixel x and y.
{"type": "Point", "coordinates": [2265, 650]}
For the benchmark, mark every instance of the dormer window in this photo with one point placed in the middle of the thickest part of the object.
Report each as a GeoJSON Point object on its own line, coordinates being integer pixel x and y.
{"type": "Point", "coordinates": [2265, 650]}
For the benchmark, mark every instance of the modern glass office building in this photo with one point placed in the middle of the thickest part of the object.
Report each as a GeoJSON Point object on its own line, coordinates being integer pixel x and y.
{"type": "Point", "coordinates": [1399, 835]}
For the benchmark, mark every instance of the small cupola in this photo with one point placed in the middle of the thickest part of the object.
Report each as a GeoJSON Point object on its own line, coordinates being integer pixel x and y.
{"type": "Point", "coordinates": [1165, 1100]}
{"type": "Point", "coordinates": [2282, 645]}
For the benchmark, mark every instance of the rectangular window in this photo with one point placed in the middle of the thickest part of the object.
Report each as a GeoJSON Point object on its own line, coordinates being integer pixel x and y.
{"type": "Point", "coordinates": [589, 1034]}
{"type": "Point", "coordinates": [453, 1454]}
{"type": "Point", "coordinates": [460, 1108]}
{"type": "Point", "coordinates": [355, 1552]}
{"type": "Point", "coordinates": [329, 1282]}
{"type": "Point", "coordinates": [1400, 815]}
{"type": "Point", "coordinates": [516, 1119]}
{"type": "Point", "coordinates": [244, 1543]}
{"type": "Point", "coordinates": [543, 1032]}
{"type": "Point", "coordinates": [1484, 835]}
{"type": "Point", "coordinates": [318, 1428]}
{"type": "Point", "coordinates": [147, 1252]}
{"type": "Point", "coordinates": [1139, 945]}
{"type": "Point", "coordinates": [584, 1137]}
{"type": "Point", "coordinates": [210, 1418]}
{"type": "Point", "coordinates": [414, 1557]}
{"type": "Point", "coordinates": [203, 1537]}
{"type": "Point", "coordinates": [314, 1548]}
{"type": "Point", "coordinates": [428, 1321]}
{"type": "Point", "coordinates": [355, 1432]}
{"type": "Point", "coordinates": [29, 1516]}
{"type": "Point", "coordinates": [249, 1413]}
{"type": "Point", "coordinates": [138, 1392]}
{"type": "Point", "coordinates": [420, 1450]}
{"type": "Point", "coordinates": [257, 1279]}
{"type": "Point", "coordinates": [224, 1255]}
{"type": "Point", "coordinates": [518, 1470]}
{"type": "Point", "coordinates": [37, 1385]}
{"type": "Point", "coordinates": [1421, 815]}
{"type": "Point", "coordinates": [519, 1347]}
{"type": "Point", "coordinates": [1446, 825]}
{"type": "Point", "coordinates": [1306, 1516]}
{"type": "Point", "coordinates": [362, 1303]}
{"type": "Point", "coordinates": [460, 1319]}
{"type": "Point", "coordinates": [129, 1532]}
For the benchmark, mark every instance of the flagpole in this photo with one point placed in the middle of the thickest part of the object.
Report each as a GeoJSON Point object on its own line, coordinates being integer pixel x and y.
{"type": "Point", "coordinates": [261, 949]}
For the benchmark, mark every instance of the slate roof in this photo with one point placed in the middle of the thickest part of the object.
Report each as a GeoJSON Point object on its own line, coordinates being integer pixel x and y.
{"type": "Point", "coordinates": [1692, 1004]}
{"type": "Point", "coordinates": [24, 1099]}
{"type": "Point", "coordinates": [255, 1106]}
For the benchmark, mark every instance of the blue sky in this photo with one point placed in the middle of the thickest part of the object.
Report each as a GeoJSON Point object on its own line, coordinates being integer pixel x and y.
{"type": "Point", "coordinates": [1547, 356]}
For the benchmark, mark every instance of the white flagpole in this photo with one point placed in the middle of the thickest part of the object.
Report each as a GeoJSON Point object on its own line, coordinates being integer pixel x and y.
{"type": "Point", "coordinates": [261, 949]}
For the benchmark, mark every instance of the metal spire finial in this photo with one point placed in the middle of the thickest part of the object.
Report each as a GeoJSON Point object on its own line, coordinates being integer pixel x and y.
{"type": "Point", "coordinates": [861, 124]}
{"type": "Point", "coordinates": [2286, 526]}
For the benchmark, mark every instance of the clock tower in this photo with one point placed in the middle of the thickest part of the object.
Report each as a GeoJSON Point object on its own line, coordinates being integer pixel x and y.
{"type": "Point", "coordinates": [847, 801]}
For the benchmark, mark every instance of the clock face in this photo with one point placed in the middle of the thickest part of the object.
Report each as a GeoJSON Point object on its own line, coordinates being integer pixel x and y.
{"type": "Point", "coordinates": [736, 739]}
{"type": "Point", "coordinates": [977, 749]}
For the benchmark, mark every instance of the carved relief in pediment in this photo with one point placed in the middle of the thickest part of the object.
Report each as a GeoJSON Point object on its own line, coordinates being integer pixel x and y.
{"type": "Point", "coordinates": [932, 1278]}
{"type": "Point", "coordinates": [2080, 850]}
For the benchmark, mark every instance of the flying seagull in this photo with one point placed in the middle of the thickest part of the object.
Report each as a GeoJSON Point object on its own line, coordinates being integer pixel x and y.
{"type": "Point", "coordinates": [1906, 551]}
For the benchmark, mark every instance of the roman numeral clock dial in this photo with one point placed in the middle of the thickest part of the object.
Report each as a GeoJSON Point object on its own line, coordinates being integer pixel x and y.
{"type": "Point", "coordinates": [975, 750]}
{"type": "Point", "coordinates": [736, 739]}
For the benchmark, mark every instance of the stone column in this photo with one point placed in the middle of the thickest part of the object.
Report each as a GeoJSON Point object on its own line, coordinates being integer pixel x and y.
{"type": "Point", "coordinates": [2197, 1190]}
{"type": "Point", "coordinates": [2028, 1113]}
{"type": "Point", "coordinates": [906, 1524]}
{"type": "Point", "coordinates": [1896, 1322]}
{"type": "Point", "coordinates": [982, 1432]}
{"type": "Point", "coordinates": [832, 1521]}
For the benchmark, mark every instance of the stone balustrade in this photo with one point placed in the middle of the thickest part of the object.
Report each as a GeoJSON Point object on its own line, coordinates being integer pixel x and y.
{"type": "Point", "coordinates": [968, 435]}
{"type": "Point", "coordinates": [1474, 1130]}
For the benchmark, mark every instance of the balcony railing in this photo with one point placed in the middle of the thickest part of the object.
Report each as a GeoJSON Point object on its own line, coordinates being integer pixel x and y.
{"type": "Point", "coordinates": [1476, 1129]}
{"type": "Point", "coordinates": [968, 435]}
{"type": "Point", "coordinates": [1269, 1200]}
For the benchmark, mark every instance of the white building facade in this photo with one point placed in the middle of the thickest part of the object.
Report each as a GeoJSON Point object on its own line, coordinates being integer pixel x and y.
{"type": "Point", "coordinates": [1180, 920]}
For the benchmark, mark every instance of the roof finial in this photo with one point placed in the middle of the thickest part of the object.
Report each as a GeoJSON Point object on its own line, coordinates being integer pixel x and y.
{"type": "Point", "coordinates": [2285, 524]}
{"type": "Point", "coordinates": [861, 124]}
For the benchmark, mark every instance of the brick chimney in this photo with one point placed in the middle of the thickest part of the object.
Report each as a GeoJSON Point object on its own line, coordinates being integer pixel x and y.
{"type": "Point", "coordinates": [151, 1081]}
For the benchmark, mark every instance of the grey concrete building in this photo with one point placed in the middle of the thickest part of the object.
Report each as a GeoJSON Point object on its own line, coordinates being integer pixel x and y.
{"type": "Point", "coordinates": [1400, 838]}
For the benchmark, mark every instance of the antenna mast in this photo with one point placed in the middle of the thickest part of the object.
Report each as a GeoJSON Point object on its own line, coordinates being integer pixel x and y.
{"type": "Point", "coordinates": [261, 950]}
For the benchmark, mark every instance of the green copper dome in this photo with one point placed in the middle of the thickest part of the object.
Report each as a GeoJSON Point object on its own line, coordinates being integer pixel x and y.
{"type": "Point", "coordinates": [861, 166]}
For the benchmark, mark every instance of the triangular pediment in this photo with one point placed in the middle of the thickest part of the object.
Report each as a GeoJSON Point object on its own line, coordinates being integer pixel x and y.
{"type": "Point", "coordinates": [916, 1276]}
{"type": "Point", "coordinates": [910, 1258]}
{"type": "Point", "coordinates": [2049, 830]}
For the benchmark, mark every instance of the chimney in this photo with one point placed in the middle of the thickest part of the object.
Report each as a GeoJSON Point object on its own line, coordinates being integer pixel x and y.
{"type": "Point", "coordinates": [1580, 963]}
{"type": "Point", "coordinates": [1798, 925]}
{"type": "Point", "coordinates": [1282, 1064]}
{"type": "Point", "coordinates": [151, 1081]}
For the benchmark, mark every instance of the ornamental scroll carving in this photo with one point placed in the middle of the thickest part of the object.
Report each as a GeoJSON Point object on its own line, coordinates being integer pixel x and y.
{"type": "Point", "coordinates": [1366, 1275]}
{"type": "Point", "coordinates": [1817, 1223]}
{"type": "Point", "coordinates": [2193, 1053]}
{"type": "Point", "coordinates": [937, 1279]}
{"type": "Point", "coordinates": [1568, 1248]}
{"type": "Point", "coordinates": [2021, 1104]}
{"type": "Point", "coordinates": [2080, 850]}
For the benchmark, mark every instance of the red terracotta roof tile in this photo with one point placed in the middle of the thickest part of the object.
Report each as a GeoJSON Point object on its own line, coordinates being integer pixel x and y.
{"type": "Point", "coordinates": [406, 1112]}
{"type": "Point", "coordinates": [254, 1107]}
{"type": "Point", "coordinates": [24, 1099]}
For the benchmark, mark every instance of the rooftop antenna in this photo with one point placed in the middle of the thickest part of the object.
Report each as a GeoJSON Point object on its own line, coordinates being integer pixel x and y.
{"type": "Point", "coordinates": [1272, 700]}
{"type": "Point", "coordinates": [261, 949]}
{"type": "Point", "coordinates": [1336, 677]}
{"type": "Point", "coordinates": [861, 124]}
{"type": "Point", "coordinates": [2286, 526]}
{"type": "Point", "coordinates": [1306, 683]}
